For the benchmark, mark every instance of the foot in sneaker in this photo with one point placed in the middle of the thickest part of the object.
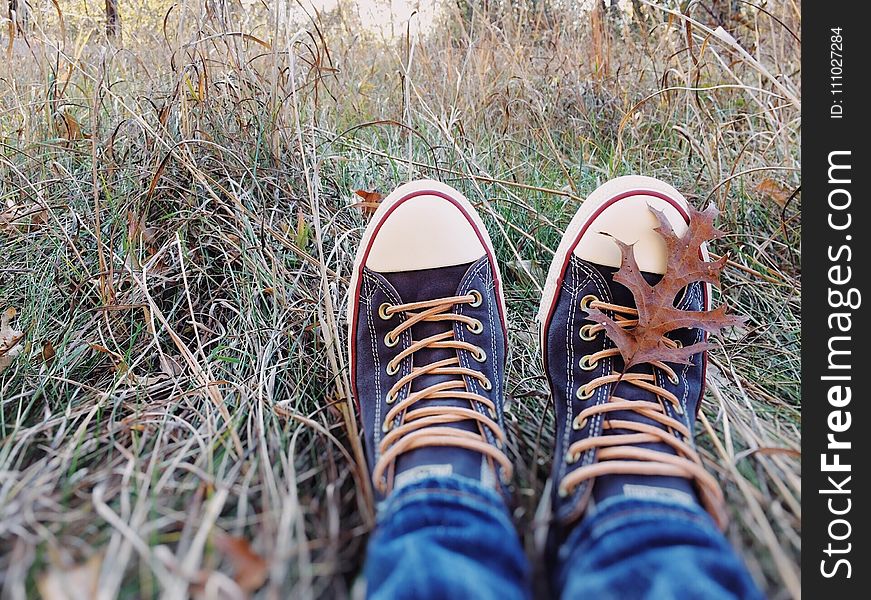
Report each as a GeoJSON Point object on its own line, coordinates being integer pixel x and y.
{"type": "Point", "coordinates": [620, 433]}
{"type": "Point", "coordinates": [427, 341]}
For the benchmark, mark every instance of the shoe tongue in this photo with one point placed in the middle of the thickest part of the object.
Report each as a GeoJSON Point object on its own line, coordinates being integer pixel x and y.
{"type": "Point", "coordinates": [665, 488]}
{"type": "Point", "coordinates": [419, 286]}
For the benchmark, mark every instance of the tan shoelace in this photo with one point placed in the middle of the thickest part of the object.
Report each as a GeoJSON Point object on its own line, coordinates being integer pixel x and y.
{"type": "Point", "coordinates": [619, 454]}
{"type": "Point", "coordinates": [426, 426]}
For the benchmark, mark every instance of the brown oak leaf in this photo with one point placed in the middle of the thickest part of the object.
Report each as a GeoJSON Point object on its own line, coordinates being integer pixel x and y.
{"type": "Point", "coordinates": [657, 315]}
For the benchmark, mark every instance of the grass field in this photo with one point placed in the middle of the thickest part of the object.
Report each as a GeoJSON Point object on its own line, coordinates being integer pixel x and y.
{"type": "Point", "coordinates": [178, 221]}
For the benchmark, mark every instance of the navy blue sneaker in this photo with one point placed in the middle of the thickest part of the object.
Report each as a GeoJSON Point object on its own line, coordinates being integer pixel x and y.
{"type": "Point", "coordinates": [620, 433]}
{"type": "Point", "coordinates": [427, 341]}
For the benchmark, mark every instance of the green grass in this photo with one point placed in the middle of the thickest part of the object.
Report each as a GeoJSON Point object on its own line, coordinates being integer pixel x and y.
{"type": "Point", "coordinates": [196, 298]}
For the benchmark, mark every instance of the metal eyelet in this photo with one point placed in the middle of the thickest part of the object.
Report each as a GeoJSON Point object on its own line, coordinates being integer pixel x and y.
{"type": "Point", "coordinates": [586, 301]}
{"type": "Point", "coordinates": [487, 385]}
{"type": "Point", "coordinates": [677, 343]}
{"type": "Point", "coordinates": [390, 341]}
{"type": "Point", "coordinates": [476, 327]}
{"type": "Point", "coordinates": [673, 381]}
{"type": "Point", "coordinates": [572, 458]}
{"type": "Point", "coordinates": [390, 398]}
{"type": "Point", "coordinates": [577, 426]}
{"type": "Point", "coordinates": [586, 364]}
{"type": "Point", "coordinates": [392, 369]}
{"type": "Point", "coordinates": [586, 333]}
{"type": "Point", "coordinates": [478, 299]}
{"type": "Point", "coordinates": [480, 355]}
{"type": "Point", "coordinates": [583, 393]}
{"type": "Point", "coordinates": [678, 409]}
{"type": "Point", "coordinates": [563, 492]}
{"type": "Point", "coordinates": [388, 425]}
{"type": "Point", "coordinates": [382, 311]}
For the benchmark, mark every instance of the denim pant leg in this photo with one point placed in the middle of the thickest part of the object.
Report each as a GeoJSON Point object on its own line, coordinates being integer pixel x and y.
{"type": "Point", "coordinates": [630, 548]}
{"type": "Point", "coordinates": [445, 537]}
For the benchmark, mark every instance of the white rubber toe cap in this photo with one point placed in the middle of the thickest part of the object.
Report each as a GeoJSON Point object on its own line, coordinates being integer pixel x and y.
{"type": "Point", "coordinates": [425, 231]}
{"type": "Point", "coordinates": [630, 221]}
{"type": "Point", "coordinates": [618, 209]}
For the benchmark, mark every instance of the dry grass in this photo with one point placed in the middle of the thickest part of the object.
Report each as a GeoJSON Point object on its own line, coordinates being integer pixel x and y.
{"type": "Point", "coordinates": [177, 230]}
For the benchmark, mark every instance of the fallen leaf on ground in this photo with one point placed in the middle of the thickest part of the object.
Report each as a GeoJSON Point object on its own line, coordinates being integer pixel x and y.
{"type": "Point", "coordinates": [48, 351]}
{"type": "Point", "coordinates": [774, 190]}
{"type": "Point", "coordinates": [10, 339]}
{"type": "Point", "coordinates": [250, 569]}
{"type": "Point", "coordinates": [69, 127]}
{"type": "Point", "coordinates": [657, 315]}
{"type": "Point", "coordinates": [75, 583]}
{"type": "Point", "coordinates": [371, 202]}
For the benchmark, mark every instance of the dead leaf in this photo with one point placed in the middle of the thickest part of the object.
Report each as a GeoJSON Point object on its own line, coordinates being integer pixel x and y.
{"type": "Point", "coordinates": [10, 339]}
{"type": "Point", "coordinates": [657, 315]}
{"type": "Point", "coordinates": [48, 352]}
{"type": "Point", "coordinates": [69, 127]}
{"type": "Point", "coordinates": [75, 583]}
{"type": "Point", "coordinates": [250, 569]}
{"type": "Point", "coordinates": [371, 202]}
{"type": "Point", "coordinates": [774, 190]}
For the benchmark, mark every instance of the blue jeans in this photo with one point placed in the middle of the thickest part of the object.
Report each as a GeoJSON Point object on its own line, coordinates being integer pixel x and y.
{"type": "Point", "coordinates": [451, 537]}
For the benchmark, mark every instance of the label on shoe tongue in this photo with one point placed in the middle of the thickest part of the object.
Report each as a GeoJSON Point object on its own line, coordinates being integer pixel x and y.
{"type": "Point", "coordinates": [662, 494]}
{"type": "Point", "coordinates": [422, 471]}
